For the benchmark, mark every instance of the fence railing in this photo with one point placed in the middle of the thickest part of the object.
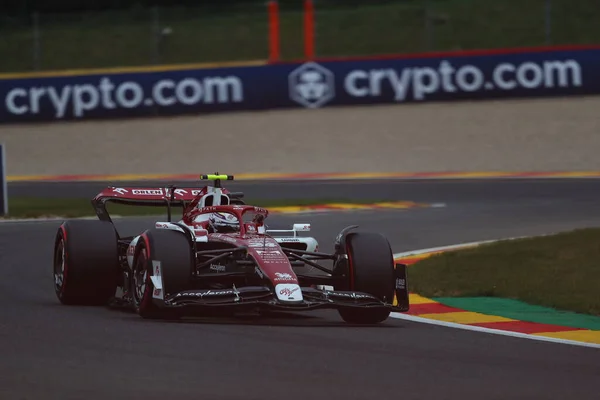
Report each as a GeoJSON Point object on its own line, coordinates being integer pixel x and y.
{"type": "Point", "coordinates": [172, 35]}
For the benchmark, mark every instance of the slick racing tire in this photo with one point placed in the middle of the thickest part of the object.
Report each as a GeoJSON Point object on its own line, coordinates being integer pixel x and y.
{"type": "Point", "coordinates": [86, 262]}
{"type": "Point", "coordinates": [173, 251]}
{"type": "Point", "coordinates": [370, 270]}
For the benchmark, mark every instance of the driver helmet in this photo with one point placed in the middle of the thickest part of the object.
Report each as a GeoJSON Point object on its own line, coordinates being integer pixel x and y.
{"type": "Point", "coordinates": [224, 222]}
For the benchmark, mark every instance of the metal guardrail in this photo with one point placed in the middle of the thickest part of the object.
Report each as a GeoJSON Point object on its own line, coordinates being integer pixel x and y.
{"type": "Point", "coordinates": [176, 35]}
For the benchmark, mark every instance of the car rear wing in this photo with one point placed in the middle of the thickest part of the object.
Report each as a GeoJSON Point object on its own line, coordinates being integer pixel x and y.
{"type": "Point", "coordinates": [168, 197]}
{"type": "Point", "coordinates": [295, 229]}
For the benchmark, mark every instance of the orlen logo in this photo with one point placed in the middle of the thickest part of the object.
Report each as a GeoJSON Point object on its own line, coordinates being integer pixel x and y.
{"type": "Point", "coordinates": [148, 192]}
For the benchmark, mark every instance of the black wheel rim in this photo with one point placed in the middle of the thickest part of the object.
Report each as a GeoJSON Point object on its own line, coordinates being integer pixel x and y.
{"type": "Point", "coordinates": [59, 267]}
{"type": "Point", "coordinates": [140, 277]}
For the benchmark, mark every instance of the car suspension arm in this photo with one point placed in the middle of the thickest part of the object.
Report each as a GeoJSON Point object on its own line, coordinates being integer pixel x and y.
{"type": "Point", "coordinates": [211, 253]}
{"type": "Point", "coordinates": [311, 263]}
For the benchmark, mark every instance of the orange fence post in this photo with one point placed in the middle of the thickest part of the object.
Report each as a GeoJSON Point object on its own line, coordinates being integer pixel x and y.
{"type": "Point", "coordinates": [274, 50]}
{"type": "Point", "coordinates": [309, 30]}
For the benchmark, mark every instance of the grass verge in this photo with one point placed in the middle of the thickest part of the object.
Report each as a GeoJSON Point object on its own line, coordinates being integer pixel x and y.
{"type": "Point", "coordinates": [201, 34]}
{"type": "Point", "coordinates": [561, 271]}
{"type": "Point", "coordinates": [34, 207]}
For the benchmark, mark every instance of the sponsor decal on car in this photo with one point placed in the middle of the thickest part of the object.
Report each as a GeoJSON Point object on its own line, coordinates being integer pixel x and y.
{"type": "Point", "coordinates": [224, 238]}
{"type": "Point", "coordinates": [120, 190]}
{"type": "Point", "coordinates": [218, 267]}
{"type": "Point", "coordinates": [288, 292]}
{"type": "Point", "coordinates": [181, 192]}
{"type": "Point", "coordinates": [147, 192]}
{"type": "Point", "coordinates": [157, 293]}
{"type": "Point", "coordinates": [352, 295]}
{"type": "Point", "coordinates": [157, 268]}
{"type": "Point", "coordinates": [283, 276]}
{"type": "Point", "coordinates": [270, 253]}
{"type": "Point", "coordinates": [400, 283]}
{"type": "Point", "coordinates": [262, 243]}
{"type": "Point", "coordinates": [207, 293]}
{"type": "Point", "coordinates": [259, 272]}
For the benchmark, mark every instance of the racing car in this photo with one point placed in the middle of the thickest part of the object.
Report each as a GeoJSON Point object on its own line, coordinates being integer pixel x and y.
{"type": "Point", "coordinates": [220, 256]}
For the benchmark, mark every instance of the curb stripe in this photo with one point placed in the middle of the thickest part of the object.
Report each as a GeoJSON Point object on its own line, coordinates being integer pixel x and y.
{"type": "Point", "coordinates": [524, 327]}
{"type": "Point", "coordinates": [466, 317]}
{"type": "Point", "coordinates": [272, 210]}
{"type": "Point", "coordinates": [582, 335]}
{"type": "Point", "coordinates": [429, 311]}
{"type": "Point", "coordinates": [430, 308]}
{"type": "Point", "coordinates": [347, 207]}
{"type": "Point", "coordinates": [415, 299]}
{"type": "Point", "coordinates": [473, 328]}
{"type": "Point", "coordinates": [310, 176]}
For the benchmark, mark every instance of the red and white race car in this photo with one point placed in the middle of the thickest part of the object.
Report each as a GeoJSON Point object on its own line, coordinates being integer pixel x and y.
{"type": "Point", "coordinates": [220, 257]}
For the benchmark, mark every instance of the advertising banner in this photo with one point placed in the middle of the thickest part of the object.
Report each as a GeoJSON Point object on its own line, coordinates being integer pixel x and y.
{"type": "Point", "coordinates": [307, 85]}
{"type": "Point", "coordinates": [3, 188]}
{"type": "Point", "coordinates": [518, 75]}
{"type": "Point", "coordinates": [124, 94]}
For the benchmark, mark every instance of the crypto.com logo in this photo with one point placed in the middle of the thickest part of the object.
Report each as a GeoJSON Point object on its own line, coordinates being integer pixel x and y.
{"type": "Point", "coordinates": [311, 85]}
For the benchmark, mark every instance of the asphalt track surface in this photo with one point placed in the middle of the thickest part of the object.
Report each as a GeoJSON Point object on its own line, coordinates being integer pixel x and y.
{"type": "Point", "coordinates": [50, 351]}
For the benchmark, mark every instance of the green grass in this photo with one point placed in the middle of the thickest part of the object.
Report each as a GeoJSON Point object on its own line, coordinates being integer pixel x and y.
{"type": "Point", "coordinates": [33, 207]}
{"type": "Point", "coordinates": [128, 38]}
{"type": "Point", "coordinates": [560, 271]}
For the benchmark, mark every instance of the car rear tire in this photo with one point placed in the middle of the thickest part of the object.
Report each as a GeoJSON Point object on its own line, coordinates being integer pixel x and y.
{"type": "Point", "coordinates": [370, 270]}
{"type": "Point", "coordinates": [174, 252]}
{"type": "Point", "coordinates": [86, 262]}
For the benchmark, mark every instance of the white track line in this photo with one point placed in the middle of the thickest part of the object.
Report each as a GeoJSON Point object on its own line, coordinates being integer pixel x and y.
{"type": "Point", "coordinates": [413, 318]}
{"type": "Point", "coordinates": [454, 325]}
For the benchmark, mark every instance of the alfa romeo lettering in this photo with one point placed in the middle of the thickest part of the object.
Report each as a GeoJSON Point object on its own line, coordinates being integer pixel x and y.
{"type": "Point", "coordinates": [287, 291]}
{"type": "Point", "coordinates": [283, 276]}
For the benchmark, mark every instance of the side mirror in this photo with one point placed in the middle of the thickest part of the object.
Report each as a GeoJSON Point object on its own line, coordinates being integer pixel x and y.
{"type": "Point", "coordinates": [301, 227]}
